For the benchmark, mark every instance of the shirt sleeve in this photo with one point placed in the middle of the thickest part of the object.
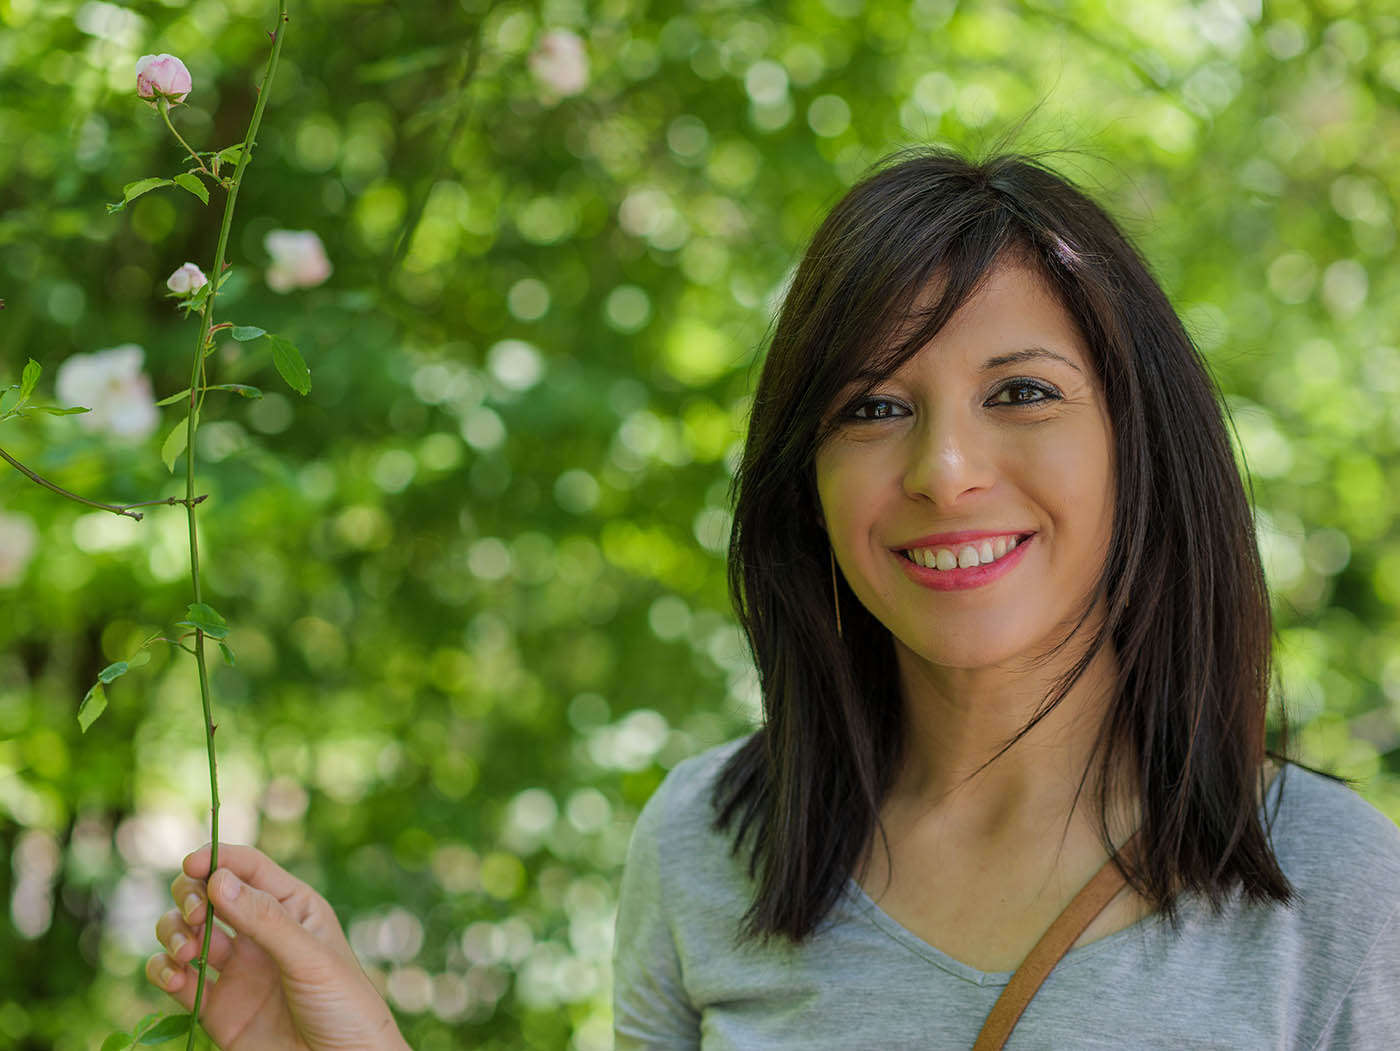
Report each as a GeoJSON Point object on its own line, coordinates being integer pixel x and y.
{"type": "Point", "coordinates": [1369, 1013]}
{"type": "Point", "coordinates": [650, 1006]}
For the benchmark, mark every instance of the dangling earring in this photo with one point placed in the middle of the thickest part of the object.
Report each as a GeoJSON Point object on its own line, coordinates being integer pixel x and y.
{"type": "Point", "coordinates": [835, 594]}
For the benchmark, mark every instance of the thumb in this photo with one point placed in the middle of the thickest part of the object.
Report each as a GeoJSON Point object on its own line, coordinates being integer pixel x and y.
{"type": "Point", "coordinates": [261, 917]}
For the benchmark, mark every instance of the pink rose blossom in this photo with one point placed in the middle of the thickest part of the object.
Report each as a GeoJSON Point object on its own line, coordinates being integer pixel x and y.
{"type": "Point", "coordinates": [162, 76]}
{"type": "Point", "coordinates": [298, 260]}
{"type": "Point", "coordinates": [189, 278]}
{"type": "Point", "coordinates": [560, 63]}
{"type": "Point", "coordinates": [110, 383]}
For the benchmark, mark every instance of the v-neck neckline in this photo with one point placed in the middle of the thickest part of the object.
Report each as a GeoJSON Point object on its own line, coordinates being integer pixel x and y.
{"type": "Point", "coordinates": [868, 907]}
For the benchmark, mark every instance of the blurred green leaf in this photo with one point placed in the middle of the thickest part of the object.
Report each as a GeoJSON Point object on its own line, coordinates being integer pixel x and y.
{"type": "Point", "coordinates": [94, 703]}
{"type": "Point", "coordinates": [207, 619]}
{"type": "Point", "coordinates": [290, 365]}
{"type": "Point", "coordinates": [243, 390]}
{"type": "Point", "coordinates": [244, 333]}
{"type": "Point", "coordinates": [113, 671]}
{"type": "Point", "coordinates": [194, 185]}
{"type": "Point", "coordinates": [174, 444]}
{"type": "Point", "coordinates": [29, 379]}
{"type": "Point", "coordinates": [133, 190]}
{"type": "Point", "coordinates": [167, 1028]}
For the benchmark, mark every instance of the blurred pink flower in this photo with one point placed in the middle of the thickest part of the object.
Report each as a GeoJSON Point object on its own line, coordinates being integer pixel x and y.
{"type": "Point", "coordinates": [298, 260]}
{"type": "Point", "coordinates": [560, 63]}
{"type": "Point", "coordinates": [189, 278]}
{"type": "Point", "coordinates": [18, 542]}
{"type": "Point", "coordinates": [164, 76]}
{"type": "Point", "coordinates": [110, 383]}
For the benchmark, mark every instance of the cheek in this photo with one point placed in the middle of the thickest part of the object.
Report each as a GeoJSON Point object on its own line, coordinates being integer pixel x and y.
{"type": "Point", "coordinates": [847, 490]}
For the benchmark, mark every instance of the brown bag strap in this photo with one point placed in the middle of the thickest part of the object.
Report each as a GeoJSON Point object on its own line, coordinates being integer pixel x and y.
{"type": "Point", "coordinates": [1053, 944]}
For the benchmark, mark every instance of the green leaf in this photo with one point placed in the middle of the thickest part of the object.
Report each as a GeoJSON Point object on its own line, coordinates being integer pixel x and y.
{"type": "Point", "coordinates": [94, 704]}
{"type": "Point", "coordinates": [290, 365]}
{"type": "Point", "coordinates": [167, 1028]}
{"type": "Point", "coordinates": [186, 181]}
{"type": "Point", "coordinates": [117, 1042]}
{"type": "Point", "coordinates": [228, 654]}
{"type": "Point", "coordinates": [230, 154]}
{"type": "Point", "coordinates": [207, 619]}
{"type": "Point", "coordinates": [174, 398]}
{"type": "Point", "coordinates": [174, 443]}
{"type": "Point", "coordinates": [139, 659]}
{"type": "Point", "coordinates": [133, 190]}
{"type": "Point", "coordinates": [241, 389]}
{"type": "Point", "coordinates": [54, 410]}
{"type": "Point", "coordinates": [245, 333]}
{"type": "Point", "coordinates": [113, 671]}
{"type": "Point", "coordinates": [29, 379]}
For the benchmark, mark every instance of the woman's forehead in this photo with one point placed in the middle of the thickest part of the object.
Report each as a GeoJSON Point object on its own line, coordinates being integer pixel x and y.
{"type": "Point", "coordinates": [1012, 303]}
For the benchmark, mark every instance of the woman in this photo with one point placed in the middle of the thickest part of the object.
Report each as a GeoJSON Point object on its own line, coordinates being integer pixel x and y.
{"type": "Point", "coordinates": [998, 572]}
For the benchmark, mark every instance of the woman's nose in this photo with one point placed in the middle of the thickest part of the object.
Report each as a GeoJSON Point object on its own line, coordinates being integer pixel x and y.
{"type": "Point", "coordinates": [948, 460]}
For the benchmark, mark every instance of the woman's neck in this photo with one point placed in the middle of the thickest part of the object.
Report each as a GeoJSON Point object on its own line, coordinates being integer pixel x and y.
{"type": "Point", "coordinates": [956, 721]}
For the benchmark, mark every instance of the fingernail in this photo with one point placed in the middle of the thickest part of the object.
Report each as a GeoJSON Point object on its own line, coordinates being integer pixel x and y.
{"type": "Point", "coordinates": [232, 885]}
{"type": "Point", "coordinates": [191, 903]}
{"type": "Point", "coordinates": [177, 942]}
{"type": "Point", "coordinates": [166, 973]}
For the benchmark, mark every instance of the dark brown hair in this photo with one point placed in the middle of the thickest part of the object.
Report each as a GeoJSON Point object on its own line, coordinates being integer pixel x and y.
{"type": "Point", "coordinates": [1182, 593]}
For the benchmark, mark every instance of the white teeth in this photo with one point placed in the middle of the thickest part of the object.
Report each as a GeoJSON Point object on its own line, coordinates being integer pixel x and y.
{"type": "Point", "coordinates": [964, 557]}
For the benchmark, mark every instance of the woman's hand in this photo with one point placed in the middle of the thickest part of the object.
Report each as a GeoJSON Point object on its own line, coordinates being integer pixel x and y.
{"type": "Point", "coordinates": [287, 978]}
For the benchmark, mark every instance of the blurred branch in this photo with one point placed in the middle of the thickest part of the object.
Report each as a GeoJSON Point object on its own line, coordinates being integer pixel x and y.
{"type": "Point", "coordinates": [414, 215]}
{"type": "Point", "coordinates": [116, 509]}
{"type": "Point", "coordinates": [1108, 47]}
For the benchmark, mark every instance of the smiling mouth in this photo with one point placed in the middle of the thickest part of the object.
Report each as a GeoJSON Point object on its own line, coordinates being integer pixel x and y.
{"type": "Point", "coordinates": [965, 556]}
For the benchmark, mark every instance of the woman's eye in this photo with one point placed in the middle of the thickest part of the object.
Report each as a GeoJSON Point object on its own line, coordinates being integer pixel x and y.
{"type": "Point", "coordinates": [877, 409]}
{"type": "Point", "coordinates": [1023, 392]}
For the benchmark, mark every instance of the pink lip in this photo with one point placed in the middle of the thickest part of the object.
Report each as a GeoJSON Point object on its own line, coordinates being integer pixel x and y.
{"type": "Point", "coordinates": [961, 579]}
{"type": "Point", "coordinates": [966, 536]}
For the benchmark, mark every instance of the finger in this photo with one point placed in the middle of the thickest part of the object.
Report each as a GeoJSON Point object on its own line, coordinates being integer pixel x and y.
{"type": "Point", "coordinates": [179, 939]}
{"type": "Point", "coordinates": [189, 896]}
{"type": "Point", "coordinates": [258, 915]}
{"type": "Point", "coordinates": [167, 975]}
{"type": "Point", "coordinates": [251, 866]}
{"type": "Point", "coordinates": [182, 941]}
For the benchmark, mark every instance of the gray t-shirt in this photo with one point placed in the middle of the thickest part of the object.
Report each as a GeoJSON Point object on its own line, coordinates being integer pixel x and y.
{"type": "Point", "coordinates": [1323, 973]}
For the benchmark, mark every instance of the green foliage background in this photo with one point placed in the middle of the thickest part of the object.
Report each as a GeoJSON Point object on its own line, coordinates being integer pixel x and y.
{"type": "Point", "coordinates": [476, 579]}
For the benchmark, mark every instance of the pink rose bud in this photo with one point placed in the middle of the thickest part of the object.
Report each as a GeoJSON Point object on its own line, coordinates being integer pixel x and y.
{"type": "Point", "coordinates": [298, 260]}
{"type": "Point", "coordinates": [162, 76]}
{"type": "Point", "coordinates": [560, 63]}
{"type": "Point", "coordinates": [189, 278]}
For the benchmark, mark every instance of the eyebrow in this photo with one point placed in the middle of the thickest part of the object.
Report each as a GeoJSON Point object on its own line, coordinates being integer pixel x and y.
{"type": "Point", "coordinates": [1029, 354]}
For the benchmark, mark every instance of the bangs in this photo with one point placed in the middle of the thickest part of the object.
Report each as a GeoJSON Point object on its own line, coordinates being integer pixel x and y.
{"type": "Point", "coordinates": [952, 268]}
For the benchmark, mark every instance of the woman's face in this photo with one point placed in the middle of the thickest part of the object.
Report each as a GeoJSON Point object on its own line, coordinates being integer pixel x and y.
{"type": "Point", "coordinates": [969, 498]}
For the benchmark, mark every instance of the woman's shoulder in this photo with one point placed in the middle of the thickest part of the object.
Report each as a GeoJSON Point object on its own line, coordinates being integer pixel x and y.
{"type": "Point", "coordinates": [1331, 843]}
{"type": "Point", "coordinates": [683, 804]}
{"type": "Point", "coordinates": [1317, 814]}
